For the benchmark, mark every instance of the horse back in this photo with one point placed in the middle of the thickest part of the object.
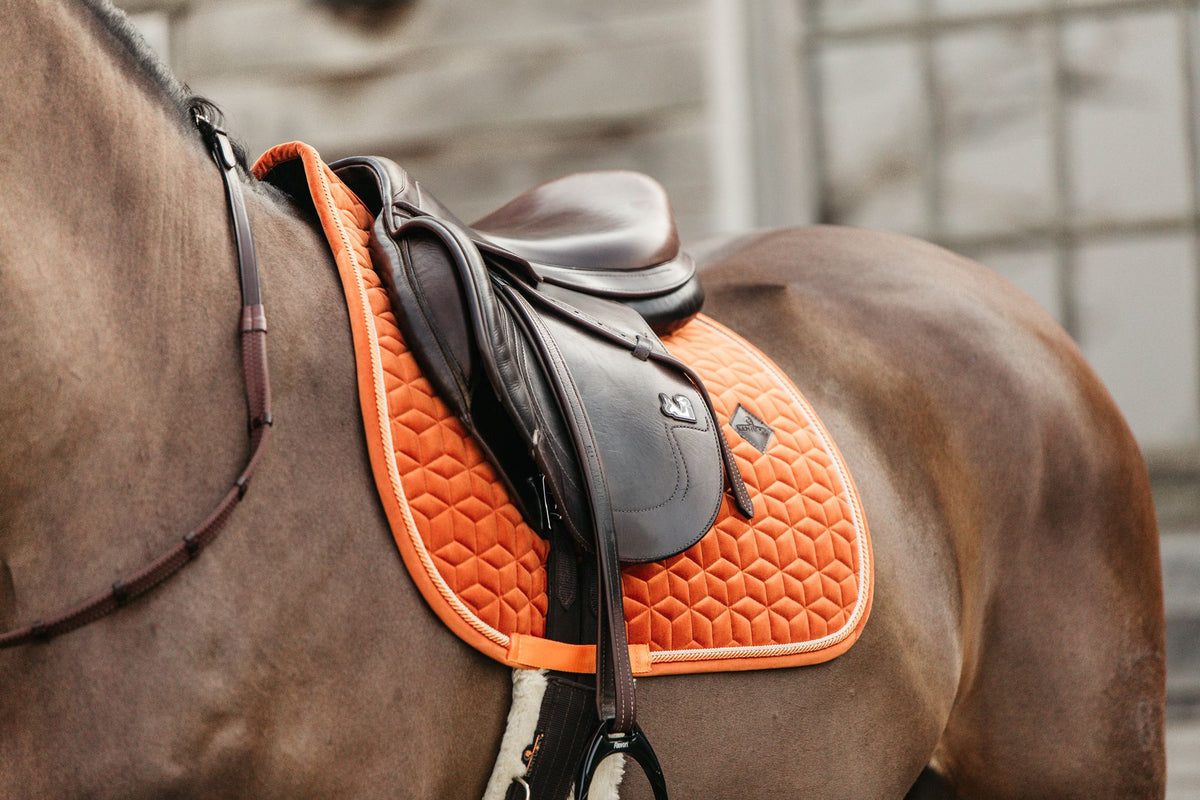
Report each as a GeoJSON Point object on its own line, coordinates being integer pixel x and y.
{"type": "Point", "coordinates": [1009, 504]}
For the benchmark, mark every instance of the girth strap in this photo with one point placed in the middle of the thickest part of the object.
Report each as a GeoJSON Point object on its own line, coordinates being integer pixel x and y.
{"type": "Point", "coordinates": [253, 329]}
{"type": "Point", "coordinates": [565, 725]}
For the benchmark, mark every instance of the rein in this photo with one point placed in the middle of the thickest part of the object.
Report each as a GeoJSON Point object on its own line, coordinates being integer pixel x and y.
{"type": "Point", "coordinates": [253, 329]}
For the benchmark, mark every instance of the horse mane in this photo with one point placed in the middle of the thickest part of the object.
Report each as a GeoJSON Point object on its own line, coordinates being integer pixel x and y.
{"type": "Point", "coordinates": [146, 61]}
{"type": "Point", "coordinates": [149, 65]}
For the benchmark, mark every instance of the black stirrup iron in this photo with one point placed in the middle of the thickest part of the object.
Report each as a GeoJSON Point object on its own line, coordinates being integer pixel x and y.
{"type": "Point", "coordinates": [634, 744]}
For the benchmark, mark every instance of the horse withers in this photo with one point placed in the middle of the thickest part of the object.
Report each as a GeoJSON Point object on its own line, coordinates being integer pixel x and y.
{"type": "Point", "coordinates": [1015, 645]}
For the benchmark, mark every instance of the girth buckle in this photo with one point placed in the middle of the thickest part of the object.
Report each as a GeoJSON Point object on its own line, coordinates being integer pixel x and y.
{"type": "Point", "coordinates": [523, 786]}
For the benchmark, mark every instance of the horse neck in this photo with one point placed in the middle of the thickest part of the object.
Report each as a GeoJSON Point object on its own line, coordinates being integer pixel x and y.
{"type": "Point", "coordinates": [123, 424]}
{"type": "Point", "coordinates": [122, 391]}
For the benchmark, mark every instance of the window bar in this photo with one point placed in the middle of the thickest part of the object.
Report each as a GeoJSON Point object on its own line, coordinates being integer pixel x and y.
{"type": "Point", "coordinates": [1064, 211]}
{"type": "Point", "coordinates": [1019, 19]}
{"type": "Point", "coordinates": [934, 155]}
{"type": "Point", "coordinates": [1188, 17]}
{"type": "Point", "coordinates": [811, 48]}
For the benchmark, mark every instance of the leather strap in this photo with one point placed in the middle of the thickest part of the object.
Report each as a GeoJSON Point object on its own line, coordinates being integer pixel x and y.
{"type": "Point", "coordinates": [614, 673]}
{"type": "Point", "coordinates": [253, 330]}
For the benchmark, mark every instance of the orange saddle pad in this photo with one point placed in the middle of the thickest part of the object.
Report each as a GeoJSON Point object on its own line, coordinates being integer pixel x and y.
{"type": "Point", "coordinates": [792, 586]}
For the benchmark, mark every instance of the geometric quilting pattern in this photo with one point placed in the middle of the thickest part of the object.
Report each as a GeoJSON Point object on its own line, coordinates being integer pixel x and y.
{"type": "Point", "coordinates": [792, 574]}
{"type": "Point", "coordinates": [474, 534]}
{"type": "Point", "coordinates": [791, 586]}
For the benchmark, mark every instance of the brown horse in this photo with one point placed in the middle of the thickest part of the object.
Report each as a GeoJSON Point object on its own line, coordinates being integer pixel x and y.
{"type": "Point", "coordinates": [1015, 647]}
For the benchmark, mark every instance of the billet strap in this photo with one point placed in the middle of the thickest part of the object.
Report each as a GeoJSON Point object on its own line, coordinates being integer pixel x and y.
{"type": "Point", "coordinates": [253, 329]}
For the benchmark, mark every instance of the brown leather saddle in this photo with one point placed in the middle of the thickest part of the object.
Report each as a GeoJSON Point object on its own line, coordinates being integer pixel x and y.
{"type": "Point", "coordinates": [537, 327]}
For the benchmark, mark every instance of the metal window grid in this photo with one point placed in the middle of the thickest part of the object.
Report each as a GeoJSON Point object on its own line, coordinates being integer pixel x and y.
{"type": "Point", "coordinates": [1063, 233]}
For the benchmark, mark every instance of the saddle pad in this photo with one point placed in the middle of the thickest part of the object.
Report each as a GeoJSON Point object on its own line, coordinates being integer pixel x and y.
{"type": "Point", "coordinates": [792, 586]}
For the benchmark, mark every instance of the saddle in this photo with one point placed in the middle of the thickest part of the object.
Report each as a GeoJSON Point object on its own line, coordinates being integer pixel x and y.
{"type": "Point", "coordinates": [537, 326]}
{"type": "Point", "coordinates": [547, 355]}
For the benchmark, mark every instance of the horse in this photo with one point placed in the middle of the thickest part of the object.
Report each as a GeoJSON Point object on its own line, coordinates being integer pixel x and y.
{"type": "Point", "coordinates": [1015, 646]}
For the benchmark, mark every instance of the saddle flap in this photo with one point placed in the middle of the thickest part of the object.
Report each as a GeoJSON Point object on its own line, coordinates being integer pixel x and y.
{"type": "Point", "coordinates": [508, 359]}
{"type": "Point", "coordinates": [655, 436]}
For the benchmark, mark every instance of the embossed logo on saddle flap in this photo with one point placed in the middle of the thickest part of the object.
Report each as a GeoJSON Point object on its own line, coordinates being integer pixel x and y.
{"type": "Point", "coordinates": [751, 428]}
{"type": "Point", "coordinates": [677, 407]}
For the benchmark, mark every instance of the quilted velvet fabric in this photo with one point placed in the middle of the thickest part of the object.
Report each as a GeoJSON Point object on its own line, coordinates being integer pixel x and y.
{"type": "Point", "coordinates": [790, 587]}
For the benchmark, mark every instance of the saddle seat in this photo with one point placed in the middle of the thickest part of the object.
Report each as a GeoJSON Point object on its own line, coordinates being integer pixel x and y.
{"type": "Point", "coordinates": [611, 233]}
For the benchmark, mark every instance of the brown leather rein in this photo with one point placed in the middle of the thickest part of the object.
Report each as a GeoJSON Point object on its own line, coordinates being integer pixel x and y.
{"type": "Point", "coordinates": [258, 402]}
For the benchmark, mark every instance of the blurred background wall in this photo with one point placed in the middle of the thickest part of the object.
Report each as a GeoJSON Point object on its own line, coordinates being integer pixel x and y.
{"type": "Point", "coordinates": [1058, 141]}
